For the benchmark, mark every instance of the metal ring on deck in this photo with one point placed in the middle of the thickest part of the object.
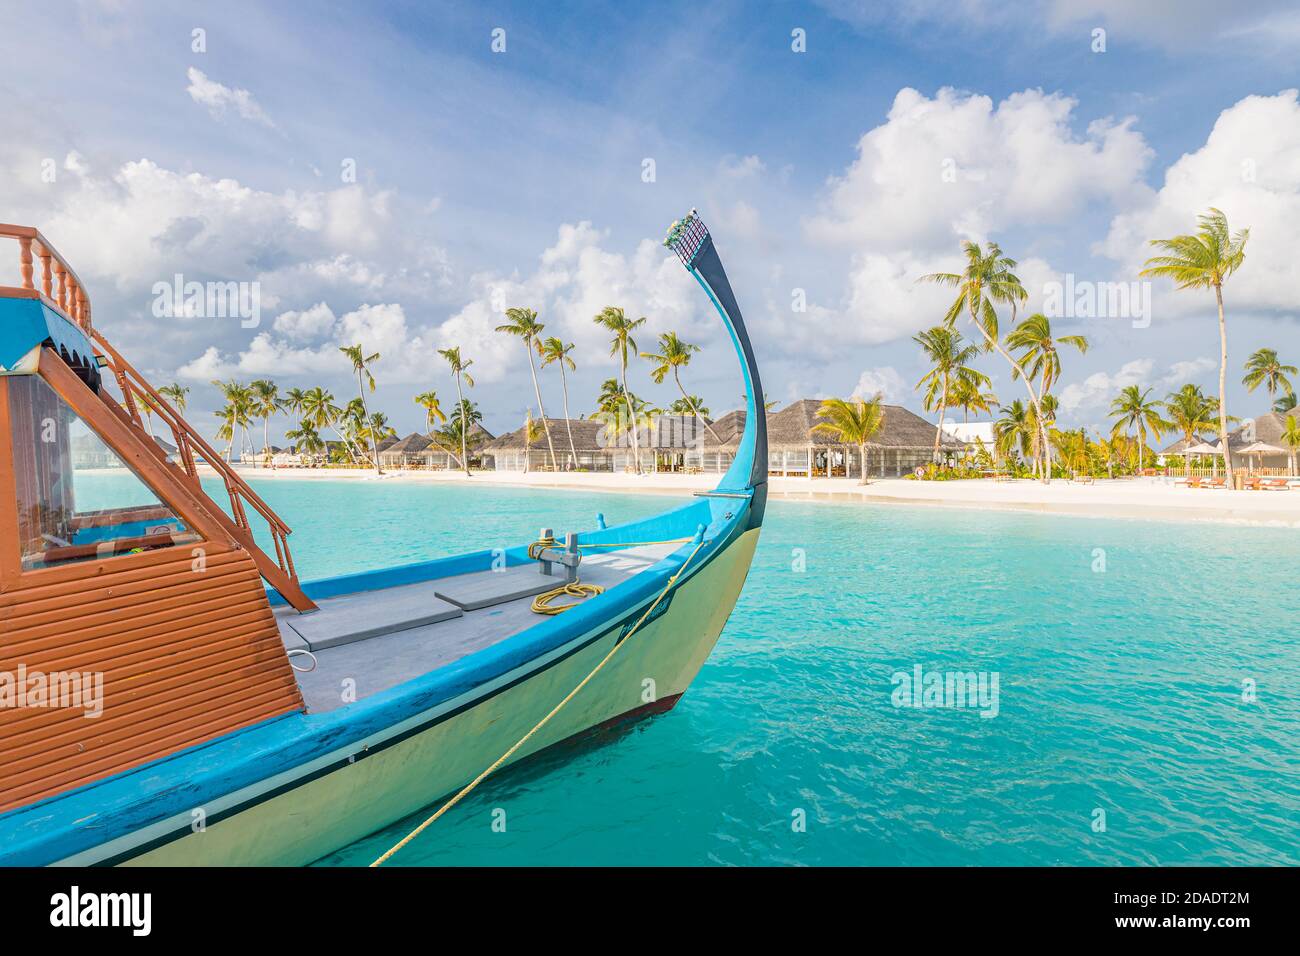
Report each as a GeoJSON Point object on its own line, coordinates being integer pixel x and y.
{"type": "Point", "coordinates": [299, 650]}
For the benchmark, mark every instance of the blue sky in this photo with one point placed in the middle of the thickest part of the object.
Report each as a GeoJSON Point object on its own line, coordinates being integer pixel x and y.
{"type": "Point", "coordinates": [516, 177]}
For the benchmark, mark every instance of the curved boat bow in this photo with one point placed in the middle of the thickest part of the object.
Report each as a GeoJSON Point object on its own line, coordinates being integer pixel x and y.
{"type": "Point", "coordinates": [424, 674]}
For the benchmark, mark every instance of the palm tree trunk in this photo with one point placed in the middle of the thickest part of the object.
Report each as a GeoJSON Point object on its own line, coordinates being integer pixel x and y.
{"type": "Point", "coordinates": [1033, 397]}
{"type": "Point", "coordinates": [266, 438]}
{"type": "Point", "coordinates": [1223, 396]}
{"type": "Point", "coordinates": [568, 421]}
{"type": "Point", "coordinates": [540, 407]}
{"type": "Point", "coordinates": [374, 447]}
{"type": "Point", "coordinates": [1047, 445]}
{"type": "Point", "coordinates": [695, 409]}
{"type": "Point", "coordinates": [464, 451]}
{"type": "Point", "coordinates": [627, 403]}
{"type": "Point", "coordinates": [943, 407]}
{"type": "Point", "coordinates": [862, 458]}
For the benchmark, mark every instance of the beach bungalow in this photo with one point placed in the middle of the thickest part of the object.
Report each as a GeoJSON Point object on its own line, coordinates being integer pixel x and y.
{"type": "Point", "coordinates": [718, 443]}
{"type": "Point", "coordinates": [905, 442]}
{"type": "Point", "coordinates": [406, 452]}
{"type": "Point", "coordinates": [509, 452]}
{"type": "Point", "coordinates": [669, 443]}
{"type": "Point", "coordinates": [1257, 446]}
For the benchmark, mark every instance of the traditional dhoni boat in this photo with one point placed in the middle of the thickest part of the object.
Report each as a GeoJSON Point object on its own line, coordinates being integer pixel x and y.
{"type": "Point", "coordinates": [171, 693]}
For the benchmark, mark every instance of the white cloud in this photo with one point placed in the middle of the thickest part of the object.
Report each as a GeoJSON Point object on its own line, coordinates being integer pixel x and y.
{"type": "Point", "coordinates": [1249, 168]}
{"type": "Point", "coordinates": [1100, 388]}
{"type": "Point", "coordinates": [1188, 371]}
{"type": "Point", "coordinates": [884, 380]}
{"type": "Point", "coordinates": [958, 166]}
{"type": "Point", "coordinates": [1176, 25]}
{"type": "Point", "coordinates": [141, 223]}
{"type": "Point", "coordinates": [576, 277]}
{"type": "Point", "coordinates": [306, 325]}
{"type": "Point", "coordinates": [218, 98]}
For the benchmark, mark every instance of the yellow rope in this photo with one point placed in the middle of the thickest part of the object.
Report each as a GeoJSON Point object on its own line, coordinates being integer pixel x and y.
{"type": "Point", "coordinates": [541, 544]}
{"type": "Point", "coordinates": [634, 544]}
{"type": "Point", "coordinates": [575, 589]}
{"type": "Point", "coordinates": [541, 723]}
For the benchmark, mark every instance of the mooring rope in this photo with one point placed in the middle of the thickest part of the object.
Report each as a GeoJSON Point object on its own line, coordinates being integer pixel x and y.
{"type": "Point", "coordinates": [574, 589]}
{"type": "Point", "coordinates": [577, 588]}
{"type": "Point", "coordinates": [544, 721]}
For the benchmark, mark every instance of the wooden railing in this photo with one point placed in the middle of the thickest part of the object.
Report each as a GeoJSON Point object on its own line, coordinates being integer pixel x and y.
{"type": "Point", "coordinates": [190, 445]}
{"type": "Point", "coordinates": [59, 286]}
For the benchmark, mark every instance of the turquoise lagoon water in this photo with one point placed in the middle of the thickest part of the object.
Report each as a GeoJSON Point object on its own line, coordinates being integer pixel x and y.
{"type": "Point", "coordinates": [1119, 690]}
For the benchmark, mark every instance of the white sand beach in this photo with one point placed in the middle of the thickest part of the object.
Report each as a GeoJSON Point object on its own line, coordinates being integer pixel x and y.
{"type": "Point", "coordinates": [1145, 498]}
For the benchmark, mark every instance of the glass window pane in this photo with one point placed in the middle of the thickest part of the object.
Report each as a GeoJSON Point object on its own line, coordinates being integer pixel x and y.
{"type": "Point", "coordinates": [77, 500]}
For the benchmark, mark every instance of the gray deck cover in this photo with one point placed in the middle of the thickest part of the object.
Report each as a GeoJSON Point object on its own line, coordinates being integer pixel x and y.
{"type": "Point", "coordinates": [489, 588]}
{"type": "Point", "coordinates": [355, 617]}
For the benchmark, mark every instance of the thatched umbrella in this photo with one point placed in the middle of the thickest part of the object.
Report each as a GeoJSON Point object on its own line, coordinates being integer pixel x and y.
{"type": "Point", "coordinates": [1261, 448]}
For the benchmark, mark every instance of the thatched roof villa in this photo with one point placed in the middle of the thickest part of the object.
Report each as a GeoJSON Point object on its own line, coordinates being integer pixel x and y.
{"type": "Point", "coordinates": [420, 451]}
{"type": "Point", "coordinates": [681, 443]}
{"type": "Point", "coordinates": [1266, 428]}
{"type": "Point", "coordinates": [905, 442]}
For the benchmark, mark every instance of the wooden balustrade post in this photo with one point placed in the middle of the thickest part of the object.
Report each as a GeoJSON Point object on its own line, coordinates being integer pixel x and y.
{"type": "Point", "coordinates": [25, 261]}
{"type": "Point", "coordinates": [62, 273]}
{"type": "Point", "coordinates": [47, 286]}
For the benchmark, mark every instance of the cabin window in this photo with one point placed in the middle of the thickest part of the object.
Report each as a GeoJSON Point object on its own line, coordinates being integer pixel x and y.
{"type": "Point", "coordinates": [77, 499]}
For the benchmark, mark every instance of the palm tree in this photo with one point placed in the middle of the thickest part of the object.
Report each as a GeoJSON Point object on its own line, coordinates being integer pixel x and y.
{"type": "Point", "coordinates": [353, 419]}
{"type": "Point", "coordinates": [988, 279]}
{"type": "Point", "coordinates": [613, 319]}
{"type": "Point", "coordinates": [532, 432]}
{"type": "Point", "coordinates": [460, 427]}
{"type": "Point", "coordinates": [852, 422]}
{"type": "Point", "coordinates": [1041, 357]}
{"type": "Point", "coordinates": [236, 413]}
{"type": "Point", "coordinates": [361, 365]}
{"type": "Point", "coordinates": [1015, 432]}
{"type": "Point", "coordinates": [969, 398]}
{"type": "Point", "coordinates": [1284, 403]}
{"type": "Point", "coordinates": [1264, 368]}
{"type": "Point", "coordinates": [949, 361]}
{"type": "Point", "coordinates": [610, 397]}
{"type": "Point", "coordinates": [1190, 413]}
{"type": "Point", "coordinates": [554, 350]}
{"type": "Point", "coordinates": [292, 401]}
{"type": "Point", "coordinates": [691, 405]}
{"type": "Point", "coordinates": [459, 368]}
{"type": "Point", "coordinates": [1204, 261]}
{"type": "Point", "coordinates": [148, 406]}
{"type": "Point", "coordinates": [673, 356]}
{"type": "Point", "coordinates": [265, 402]}
{"type": "Point", "coordinates": [177, 394]}
{"type": "Point", "coordinates": [1291, 438]}
{"type": "Point", "coordinates": [432, 409]}
{"type": "Point", "coordinates": [524, 324]}
{"type": "Point", "coordinates": [376, 428]}
{"type": "Point", "coordinates": [306, 439]}
{"type": "Point", "coordinates": [318, 410]}
{"type": "Point", "coordinates": [1134, 410]}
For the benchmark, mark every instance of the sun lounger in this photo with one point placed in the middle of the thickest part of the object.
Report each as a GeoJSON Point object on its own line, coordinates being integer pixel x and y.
{"type": "Point", "coordinates": [1272, 484]}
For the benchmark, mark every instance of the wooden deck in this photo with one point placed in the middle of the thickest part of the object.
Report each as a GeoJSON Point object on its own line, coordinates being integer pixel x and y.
{"type": "Point", "coordinates": [407, 646]}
